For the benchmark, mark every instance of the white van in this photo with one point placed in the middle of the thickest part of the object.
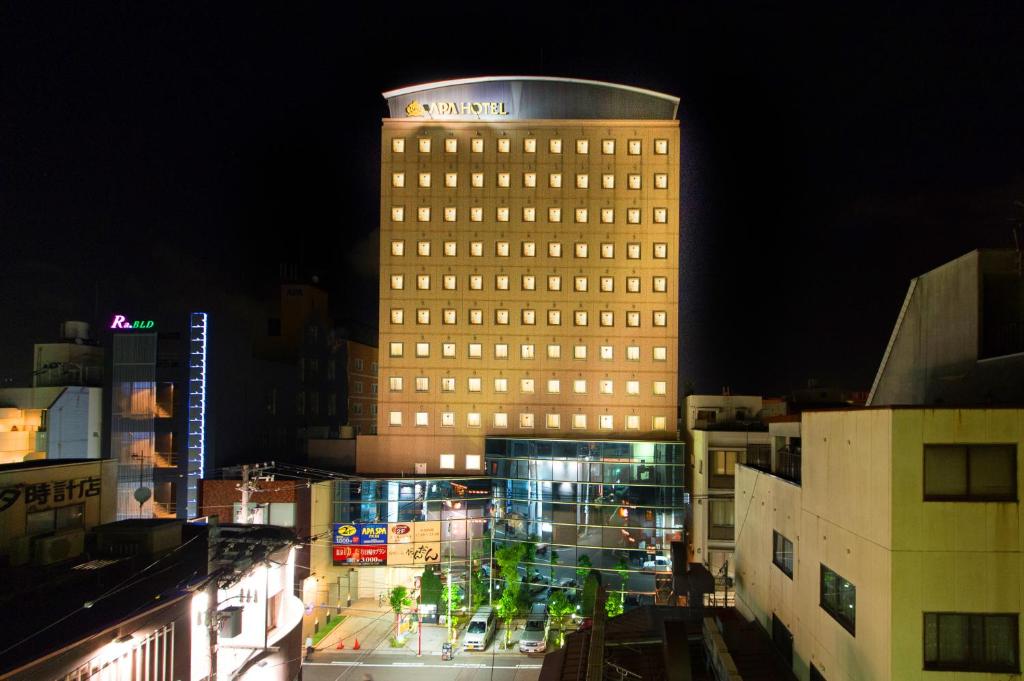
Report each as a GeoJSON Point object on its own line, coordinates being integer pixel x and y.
{"type": "Point", "coordinates": [534, 638]}
{"type": "Point", "coordinates": [481, 629]}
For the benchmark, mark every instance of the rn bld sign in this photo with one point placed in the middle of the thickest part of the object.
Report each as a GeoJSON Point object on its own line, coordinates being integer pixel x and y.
{"type": "Point", "coordinates": [120, 322]}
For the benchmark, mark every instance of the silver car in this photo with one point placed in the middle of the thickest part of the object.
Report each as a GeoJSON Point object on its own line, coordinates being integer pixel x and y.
{"type": "Point", "coordinates": [535, 633]}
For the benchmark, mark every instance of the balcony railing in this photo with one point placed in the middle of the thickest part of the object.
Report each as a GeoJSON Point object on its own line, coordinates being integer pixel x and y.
{"type": "Point", "coordinates": [165, 509]}
{"type": "Point", "coordinates": [787, 463]}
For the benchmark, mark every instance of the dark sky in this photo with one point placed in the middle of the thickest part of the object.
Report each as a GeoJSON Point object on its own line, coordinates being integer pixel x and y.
{"type": "Point", "coordinates": [160, 154]}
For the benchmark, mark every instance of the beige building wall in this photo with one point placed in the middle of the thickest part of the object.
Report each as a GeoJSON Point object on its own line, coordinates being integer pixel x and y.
{"type": "Point", "coordinates": [570, 235]}
{"type": "Point", "coordinates": [363, 387]}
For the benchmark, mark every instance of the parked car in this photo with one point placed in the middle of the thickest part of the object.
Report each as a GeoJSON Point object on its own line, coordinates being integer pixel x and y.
{"type": "Point", "coordinates": [534, 636]}
{"type": "Point", "coordinates": [481, 629]}
{"type": "Point", "coordinates": [658, 564]}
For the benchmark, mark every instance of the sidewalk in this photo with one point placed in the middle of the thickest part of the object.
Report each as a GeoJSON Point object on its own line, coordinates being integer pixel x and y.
{"type": "Point", "coordinates": [365, 620]}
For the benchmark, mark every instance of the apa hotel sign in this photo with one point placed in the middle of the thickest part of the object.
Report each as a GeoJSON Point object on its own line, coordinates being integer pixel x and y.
{"type": "Point", "coordinates": [438, 109]}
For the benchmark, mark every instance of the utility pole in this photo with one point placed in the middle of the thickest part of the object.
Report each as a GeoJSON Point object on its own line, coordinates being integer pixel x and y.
{"type": "Point", "coordinates": [213, 533]}
{"type": "Point", "coordinates": [248, 486]}
{"type": "Point", "coordinates": [243, 515]}
{"type": "Point", "coordinates": [450, 585]}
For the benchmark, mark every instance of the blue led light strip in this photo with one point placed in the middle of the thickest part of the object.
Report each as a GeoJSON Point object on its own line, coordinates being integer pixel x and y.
{"type": "Point", "coordinates": [196, 410]}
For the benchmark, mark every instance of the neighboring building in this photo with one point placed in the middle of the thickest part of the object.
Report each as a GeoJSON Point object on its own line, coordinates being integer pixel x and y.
{"type": "Point", "coordinates": [896, 552]}
{"type": "Point", "coordinates": [50, 423]}
{"type": "Point", "coordinates": [959, 338]}
{"type": "Point", "coordinates": [363, 372]}
{"type": "Point", "coordinates": [75, 359]}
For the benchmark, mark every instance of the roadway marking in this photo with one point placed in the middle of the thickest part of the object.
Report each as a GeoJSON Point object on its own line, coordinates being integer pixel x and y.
{"type": "Point", "coordinates": [421, 665]}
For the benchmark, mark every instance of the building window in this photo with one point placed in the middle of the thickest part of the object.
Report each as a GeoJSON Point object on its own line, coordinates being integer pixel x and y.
{"type": "Point", "coordinates": [398, 248]}
{"type": "Point", "coordinates": [529, 249]}
{"type": "Point", "coordinates": [529, 180]}
{"type": "Point", "coordinates": [579, 352]}
{"type": "Point", "coordinates": [504, 145]}
{"type": "Point", "coordinates": [473, 419]}
{"type": "Point", "coordinates": [633, 319]}
{"type": "Point", "coordinates": [579, 421]}
{"type": "Point", "coordinates": [395, 418]}
{"type": "Point", "coordinates": [632, 422]}
{"type": "Point", "coordinates": [607, 146]}
{"type": "Point", "coordinates": [424, 143]}
{"type": "Point", "coordinates": [451, 180]}
{"type": "Point", "coordinates": [660, 215]}
{"type": "Point", "coordinates": [423, 349]}
{"type": "Point", "coordinates": [607, 352]}
{"type": "Point", "coordinates": [447, 419]}
{"type": "Point", "coordinates": [632, 387]}
{"type": "Point", "coordinates": [660, 250]}
{"type": "Point", "coordinates": [581, 215]}
{"type": "Point", "coordinates": [607, 216]}
{"type": "Point", "coordinates": [529, 317]}
{"type": "Point", "coordinates": [476, 350]}
{"type": "Point", "coordinates": [450, 214]}
{"type": "Point", "coordinates": [423, 282]}
{"type": "Point", "coordinates": [660, 147]}
{"type": "Point", "coordinates": [448, 316]}
{"type": "Point", "coordinates": [504, 179]}
{"type": "Point", "coordinates": [526, 351]}
{"type": "Point", "coordinates": [530, 145]}
{"type": "Point", "coordinates": [529, 214]}
{"type": "Point", "coordinates": [553, 421]}
{"type": "Point", "coordinates": [970, 472]}
{"type": "Point", "coordinates": [782, 553]}
{"type": "Point", "coordinates": [450, 249]}
{"type": "Point", "coordinates": [554, 351]}
{"type": "Point", "coordinates": [579, 386]}
{"type": "Point", "coordinates": [475, 384]}
{"type": "Point", "coordinates": [423, 248]}
{"type": "Point", "coordinates": [422, 419]}
{"type": "Point", "coordinates": [476, 145]}
{"type": "Point", "coordinates": [607, 318]}
{"type": "Point", "coordinates": [582, 146]}
{"type": "Point", "coordinates": [448, 282]}
{"type": "Point", "coordinates": [633, 251]}
{"type": "Point", "coordinates": [501, 249]}
{"type": "Point", "coordinates": [554, 249]}
{"type": "Point", "coordinates": [447, 384]}
{"type": "Point", "coordinates": [721, 519]}
{"type": "Point", "coordinates": [554, 214]}
{"type": "Point", "coordinates": [476, 214]}
{"type": "Point", "coordinates": [476, 282]}
{"type": "Point", "coordinates": [660, 388]}
{"type": "Point", "coordinates": [554, 317]}
{"type": "Point", "coordinates": [477, 180]}
{"type": "Point", "coordinates": [633, 180]}
{"type": "Point", "coordinates": [661, 180]}
{"type": "Point", "coordinates": [501, 385]}
{"type": "Point", "coordinates": [605, 422]}
{"type": "Point", "coordinates": [448, 350]}
{"type": "Point", "coordinates": [423, 316]}
{"type": "Point", "coordinates": [660, 353]}
{"type": "Point", "coordinates": [395, 384]}
{"type": "Point", "coordinates": [529, 282]}
{"type": "Point", "coordinates": [971, 642]}
{"type": "Point", "coordinates": [555, 146]}
{"type": "Point", "coordinates": [398, 145]}
{"type": "Point", "coordinates": [397, 282]}
{"type": "Point", "coordinates": [446, 462]}
{"type": "Point", "coordinates": [526, 420]}
{"type": "Point", "coordinates": [579, 318]}
{"type": "Point", "coordinates": [476, 249]}
{"type": "Point", "coordinates": [501, 317]}
{"type": "Point", "coordinates": [500, 419]}
{"type": "Point", "coordinates": [397, 214]}
{"type": "Point", "coordinates": [582, 181]}
{"type": "Point", "coordinates": [633, 353]}
{"type": "Point", "coordinates": [633, 216]}
{"type": "Point", "coordinates": [357, 387]}
{"type": "Point", "coordinates": [423, 214]}
{"type": "Point", "coordinates": [660, 318]}
{"type": "Point", "coordinates": [839, 599]}
{"type": "Point", "coordinates": [660, 284]}
{"type": "Point", "coordinates": [554, 386]}
{"type": "Point", "coordinates": [422, 384]}
{"type": "Point", "coordinates": [659, 423]}
{"type": "Point", "coordinates": [473, 462]}
{"type": "Point", "coordinates": [501, 282]}
{"type": "Point", "coordinates": [555, 180]}
{"type": "Point", "coordinates": [554, 283]}
{"type": "Point", "coordinates": [397, 315]}
{"type": "Point", "coordinates": [397, 179]}
{"type": "Point", "coordinates": [608, 181]}
{"type": "Point", "coordinates": [501, 351]}
{"type": "Point", "coordinates": [633, 148]}
{"type": "Point", "coordinates": [783, 639]}
{"type": "Point", "coordinates": [502, 214]}
{"type": "Point", "coordinates": [607, 386]}
{"type": "Point", "coordinates": [396, 348]}
{"type": "Point", "coordinates": [424, 179]}
{"type": "Point", "coordinates": [526, 386]}
{"type": "Point", "coordinates": [579, 284]}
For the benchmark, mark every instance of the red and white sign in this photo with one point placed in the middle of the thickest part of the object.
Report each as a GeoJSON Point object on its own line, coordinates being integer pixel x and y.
{"type": "Point", "coordinates": [360, 555]}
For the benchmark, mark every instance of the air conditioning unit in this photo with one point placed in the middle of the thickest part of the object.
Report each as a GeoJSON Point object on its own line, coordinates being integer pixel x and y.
{"type": "Point", "coordinates": [58, 546]}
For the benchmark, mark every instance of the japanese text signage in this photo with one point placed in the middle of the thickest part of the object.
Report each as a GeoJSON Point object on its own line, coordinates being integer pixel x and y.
{"type": "Point", "coordinates": [360, 534]}
{"type": "Point", "coordinates": [40, 495]}
{"type": "Point", "coordinates": [413, 543]}
{"type": "Point", "coordinates": [360, 555]}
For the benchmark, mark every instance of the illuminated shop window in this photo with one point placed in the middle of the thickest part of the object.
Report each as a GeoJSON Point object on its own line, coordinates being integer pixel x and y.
{"type": "Point", "coordinates": [607, 146]}
{"type": "Point", "coordinates": [423, 349]}
{"type": "Point", "coordinates": [554, 351]}
{"type": "Point", "coordinates": [526, 385]}
{"type": "Point", "coordinates": [529, 214]}
{"type": "Point", "coordinates": [504, 179]}
{"type": "Point", "coordinates": [633, 284]}
{"type": "Point", "coordinates": [475, 384]}
{"type": "Point", "coordinates": [423, 213]}
{"type": "Point", "coordinates": [554, 318]}
{"type": "Point", "coordinates": [554, 214]}
{"type": "Point", "coordinates": [660, 388]}
{"type": "Point", "coordinates": [448, 282]}
{"type": "Point", "coordinates": [526, 421]}
{"type": "Point", "coordinates": [451, 145]}
{"type": "Point", "coordinates": [659, 423]}
{"type": "Point", "coordinates": [422, 384]}
{"type": "Point", "coordinates": [579, 318]}
{"type": "Point", "coordinates": [633, 352]}
{"type": "Point", "coordinates": [423, 316]}
{"type": "Point", "coordinates": [661, 215]}
{"type": "Point", "coordinates": [555, 146]}
{"type": "Point", "coordinates": [424, 143]}
{"type": "Point", "coordinates": [397, 247]}
{"type": "Point", "coordinates": [476, 282]}
{"type": "Point", "coordinates": [608, 181]}
{"type": "Point", "coordinates": [660, 353]}
{"type": "Point", "coordinates": [447, 419]}
{"type": "Point", "coordinates": [448, 350]}
{"type": "Point", "coordinates": [661, 180]}
{"type": "Point", "coordinates": [397, 179]}
{"type": "Point", "coordinates": [476, 317]}
{"type": "Point", "coordinates": [477, 180]}
{"type": "Point", "coordinates": [476, 350]}
{"type": "Point", "coordinates": [632, 422]}
{"type": "Point", "coordinates": [579, 386]}
{"type": "Point", "coordinates": [607, 284]}
{"type": "Point", "coordinates": [659, 284]}
{"type": "Point", "coordinates": [397, 282]}
{"type": "Point", "coordinates": [502, 214]}
{"type": "Point", "coordinates": [476, 214]}
{"type": "Point", "coordinates": [529, 317]}
{"type": "Point", "coordinates": [582, 181]}
{"type": "Point", "coordinates": [398, 145]}
{"type": "Point", "coordinates": [632, 388]}
{"type": "Point", "coordinates": [633, 251]}
{"type": "Point", "coordinates": [449, 214]}
{"type": "Point", "coordinates": [501, 385]}
{"type": "Point", "coordinates": [582, 146]}
{"type": "Point", "coordinates": [476, 249]}
{"type": "Point", "coordinates": [395, 384]}
{"type": "Point", "coordinates": [501, 317]}
{"type": "Point", "coordinates": [581, 215]}
{"type": "Point", "coordinates": [607, 318]}
{"type": "Point", "coordinates": [501, 282]}
{"type": "Point", "coordinates": [579, 284]}
{"type": "Point", "coordinates": [423, 248]}
{"type": "Point", "coordinates": [398, 214]}
{"type": "Point", "coordinates": [553, 421]}
{"type": "Point", "coordinates": [660, 146]}
{"type": "Point", "coordinates": [447, 461]}
{"type": "Point", "coordinates": [473, 419]}
{"type": "Point", "coordinates": [606, 386]}
{"type": "Point", "coordinates": [476, 145]}
{"type": "Point", "coordinates": [424, 179]}
{"type": "Point", "coordinates": [423, 282]}
{"type": "Point", "coordinates": [529, 282]}
{"type": "Point", "coordinates": [633, 216]}
{"type": "Point", "coordinates": [579, 421]}
{"type": "Point", "coordinates": [450, 248]}
{"type": "Point", "coordinates": [529, 249]}
{"type": "Point", "coordinates": [579, 352]}
{"type": "Point", "coordinates": [529, 180]}
{"type": "Point", "coordinates": [607, 216]}
{"type": "Point", "coordinates": [447, 384]}
{"type": "Point", "coordinates": [554, 283]}
{"type": "Point", "coordinates": [422, 419]}
{"type": "Point", "coordinates": [555, 180]}
{"type": "Point", "coordinates": [500, 420]}
{"type": "Point", "coordinates": [530, 145]}
{"type": "Point", "coordinates": [633, 319]}
{"type": "Point", "coordinates": [501, 249]}
{"type": "Point", "coordinates": [504, 145]}
{"type": "Point", "coordinates": [395, 418]}
{"type": "Point", "coordinates": [397, 315]}
{"type": "Point", "coordinates": [526, 351]}
{"type": "Point", "coordinates": [633, 147]}
{"type": "Point", "coordinates": [554, 249]}
{"type": "Point", "coordinates": [501, 351]}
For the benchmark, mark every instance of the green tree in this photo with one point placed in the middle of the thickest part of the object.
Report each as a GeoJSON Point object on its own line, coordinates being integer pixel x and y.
{"type": "Point", "coordinates": [507, 610]}
{"type": "Point", "coordinates": [613, 605]}
{"type": "Point", "coordinates": [479, 589]}
{"type": "Point", "coordinates": [560, 607]}
{"type": "Point", "coordinates": [398, 598]}
{"type": "Point", "coordinates": [552, 562]}
{"type": "Point", "coordinates": [508, 558]}
{"type": "Point", "coordinates": [430, 587]}
{"type": "Point", "coordinates": [583, 567]}
{"type": "Point", "coordinates": [455, 593]}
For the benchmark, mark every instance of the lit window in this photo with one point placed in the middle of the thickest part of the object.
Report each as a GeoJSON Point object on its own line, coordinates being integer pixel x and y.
{"type": "Point", "coordinates": [660, 353]}
{"type": "Point", "coordinates": [555, 180]}
{"type": "Point", "coordinates": [607, 284]}
{"type": "Point", "coordinates": [607, 352]}
{"type": "Point", "coordinates": [579, 283]}
{"type": "Point", "coordinates": [397, 179]}
{"type": "Point", "coordinates": [424, 143]}
{"type": "Point", "coordinates": [633, 216]}
{"type": "Point", "coordinates": [554, 283]}
{"type": "Point", "coordinates": [530, 145]}
{"type": "Point", "coordinates": [475, 384]}
{"type": "Point", "coordinates": [395, 418]}
{"type": "Point", "coordinates": [633, 284]}
{"type": "Point", "coordinates": [660, 215]}
{"type": "Point", "coordinates": [607, 318]}
{"type": "Point", "coordinates": [423, 349]}
{"type": "Point", "coordinates": [397, 282]}
{"type": "Point", "coordinates": [608, 181]}
{"type": "Point", "coordinates": [607, 216]}
{"type": "Point", "coordinates": [633, 318]}
{"type": "Point", "coordinates": [529, 180]}
{"type": "Point", "coordinates": [659, 423]}
{"type": "Point", "coordinates": [529, 282]}
{"type": "Point", "coordinates": [476, 350]}
{"type": "Point", "coordinates": [448, 282]}
{"type": "Point", "coordinates": [448, 316]}
{"type": "Point", "coordinates": [423, 248]}
{"type": "Point", "coordinates": [447, 384]}
{"type": "Point", "coordinates": [659, 284]}
{"type": "Point", "coordinates": [633, 251]}
{"type": "Point", "coordinates": [579, 386]}
{"type": "Point", "coordinates": [398, 214]}
{"type": "Point", "coordinates": [605, 421]}
{"type": "Point", "coordinates": [395, 384]}
{"type": "Point", "coordinates": [398, 145]}
{"type": "Point", "coordinates": [633, 353]}
{"type": "Point", "coordinates": [422, 419]}
{"type": "Point", "coordinates": [501, 316]}
{"type": "Point", "coordinates": [423, 316]}
{"type": "Point", "coordinates": [554, 318]}
{"type": "Point", "coordinates": [529, 317]}
{"type": "Point", "coordinates": [660, 318]}
{"type": "Point", "coordinates": [529, 249]}
{"type": "Point", "coordinates": [660, 146]}
{"type": "Point", "coordinates": [661, 250]}
{"type": "Point", "coordinates": [501, 282]}
{"type": "Point", "coordinates": [476, 282]}
{"type": "Point", "coordinates": [526, 420]}
{"type": "Point", "coordinates": [607, 146]}
{"type": "Point", "coordinates": [424, 179]}
{"type": "Point", "coordinates": [476, 214]}
{"type": "Point", "coordinates": [632, 388]}
{"type": "Point", "coordinates": [579, 318]}
{"type": "Point", "coordinates": [581, 215]}
{"type": "Point", "coordinates": [501, 351]}
{"type": "Point", "coordinates": [579, 352]}
{"type": "Point", "coordinates": [633, 148]}
{"type": "Point", "coordinates": [582, 146]}
{"type": "Point", "coordinates": [398, 248]}
{"type": "Point", "coordinates": [447, 461]}
{"type": "Point", "coordinates": [451, 145]}
{"type": "Point", "coordinates": [448, 350]}
{"type": "Point", "coordinates": [501, 249]}
{"type": "Point", "coordinates": [554, 249]}
{"type": "Point", "coordinates": [504, 179]}
{"type": "Point", "coordinates": [450, 248]}
{"type": "Point", "coordinates": [579, 421]}
{"type": "Point", "coordinates": [449, 214]}
{"type": "Point", "coordinates": [473, 419]}
{"type": "Point", "coordinates": [661, 180]}
{"type": "Point", "coordinates": [526, 385]}
{"type": "Point", "coordinates": [447, 419]}
{"type": "Point", "coordinates": [581, 249]}
{"type": "Point", "coordinates": [476, 317]}
{"type": "Point", "coordinates": [476, 145]}
{"type": "Point", "coordinates": [501, 385]}
{"type": "Point", "coordinates": [632, 422]}
{"type": "Point", "coordinates": [423, 282]}
{"type": "Point", "coordinates": [500, 420]}
{"type": "Point", "coordinates": [502, 214]}
{"type": "Point", "coordinates": [526, 351]}
{"type": "Point", "coordinates": [477, 180]}
{"type": "Point", "coordinates": [553, 421]}
{"type": "Point", "coordinates": [476, 248]}
{"type": "Point", "coordinates": [555, 146]}
{"type": "Point", "coordinates": [660, 388]}
{"type": "Point", "coordinates": [529, 214]}
{"type": "Point", "coordinates": [554, 351]}
{"type": "Point", "coordinates": [582, 181]}
{"type": "Point", "coordinates": [607, 386]}
{"type": "Point", "coordinates": [554, 214]}
{"type": "Point", "coordinates": [423, 213]}
{"type": "Point", "coordinates": [422, 384]}
{"type": "Point", "coordinates": [504, 145]}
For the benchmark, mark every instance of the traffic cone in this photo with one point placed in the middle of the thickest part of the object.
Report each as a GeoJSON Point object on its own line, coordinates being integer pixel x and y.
{"type": "Point", "coordinates": [356, 646]}
{"type": "Point", "coordinates": [341, 645]}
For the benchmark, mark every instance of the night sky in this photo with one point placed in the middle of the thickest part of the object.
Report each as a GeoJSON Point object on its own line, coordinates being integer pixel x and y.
{"type": "Point", "coordinates": [155, 155]}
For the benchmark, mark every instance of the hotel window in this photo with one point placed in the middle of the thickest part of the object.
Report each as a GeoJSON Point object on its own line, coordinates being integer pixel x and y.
{"type": "Point", "coordinates": [473, 419]}
{"type": "Point", "coordinates": [553, 421]}
{"type": "Point", "coordinates": [581, 215]}
{"type": "Point", "coordinates": [476, 282]}
{"type": "Point", "coordinates": [451, 145]}
{"type": "Point", "coordinates": [526, 351]}
{"type": "Point", "coordinates": [501, 316]}
{"type": "Point", "coordinates": [632, 353]}
{"type": "Point", "coordinates": [607, 146]}
{"type": "Point", "coordinates": [501, 351]}
{"type": "Point", "coordinates": [554, 351]}
{"type": "Point", "coordinates": [501, 282]}
{"type": "Point", "coordinates": [397, 349]}
{"type": "Point", "coordinates": [660, 146]}
{"type": "Point", "coordinates": [449, 316]}
{"type": "Point", "coordinates": [838, 597]}
{"type": "Point", "coordinates": [526, 385]}
{"type": "Point", "coordinates": [660, 388]}
{"type": "Point", "coordinates": [782, 553]}
{"type": "Point", "coordinates": [554, 214]}
{"type": "Point", "coordinates": [501, 249]}
{"type": "Point", "coordinates": [554, 318]}
{"type": "Point", "coordinates": [476, 249]}
{"type": "Point", "coordinates": [476, 317]}
{"type": "Point", "coordinates": [448, 350]}
{"type": "Point", "coordinates": [579, 386]}
{"type": "Point", "coordinates": [632, 422]}
{"type": "Point", "coordinates": [582, 146]}
{"type": "Point", "coordinates": [579, 421]}
{"type": "Point", "coordinates": [661, 215]}
{"type": "Point", "coordinates": [397, 315]}
{"type": "Point", "coordinates": [477, 180]}
{"type": "Point", "coordinates": [607, 352]}
{"type": "Point", "coordinates": [608, 181]}
{"type": "Point", "coordinates": [554, 386]}
{"type": "Point", "coordinates": [502, 214]}
{"type": "Point", "coordinates": [529, 282]}
{"type": "Point", "coordinates": [422, 419]}
{"type": "Point", "coordinates": [504, 145]}
{"type": "Point", "coordinates": [447, 384]}
{"type": "Point", "coordinates": [447, 419]}
{"type": "Point", "coordinates": [582, 181]}
{"type": "Point", "coordinates": [526, 420]}
{"type": "Point", "coordinates": [555, 180]}
{"type": "Point", "coordinates": [397, 179]}
{"type": "Point", "coordinates": [633, 181]}
{"type": "Point", "coordinates": [449, 214]}
{"type": "Point", "coordinates": [476, 145]}
{"type": "Point", "coordinates": [450, 249]}
{"type": "Point", "coordinates": [422, 384]}
{"type": "Point", "coordinates": [424, 179]}
{"type": "Point", "coordinates": [423, 349]}
{"type": "Point", "coordinates": [606, 386]}
{"type": "Point", "coordinates": [660, 353]}
{"type": "Point", "coordinates": [633, 148]}
{"type": "Point", "coordinates": [475, 384]}
{"type": "Point", "coordinates": [423, 282]}
{"type": "Point", "coordinates": [555, 146]}
{"type": "Point", "coordinates": [504, 179]}
{"type": "Point", "coordinates": [448, 282]}
{"type": "Point", "coordinates": [660, 318]}
{"type": "Point", "coordinates": [423, 248]}
{"type": "Point", "coordinates": [633, 251]}
{"type": "Point", "coordinates": [422, 316]}
{"type": "Point", "coordinates": [529, 249]}
{"type": "Point", "coordinates": [607, 216]}
{"type": "Point", "coordinates": [500, 421]}
{"type": "Point", "coordinates": [633, 216]}
{"type": "Point", "coordinates": [554, 249]}
{"type": "Point", "coordinates": [605, 421]}
{"type": "Point", "coordinates": [970, 472]}
{"type": "Point", "coordinates": [501, 385]}
{"type": "Point", "coordinates": [529, 214]}
{"type": "Point", "coordinates": [579, 283]}
{"type": "Point", "coordinates": [660, 284]}
{"type": "Point", "coordinates": [424, 143]}
{"type": "Point", "coordinates": [476, 214]}
{"type": "Point", "coordinates": [607, 284]}
{"type": "Point", "coordinates": [581, 249]}
{"type": "Point", "coordinates": [530, 145]}
{"type": "Point", "coordinates": [607, 318]}
{"type": "Point", "coordinates": [476, 350]}
{"type": "Point", "coordinates": [661, 180]}
{"type": "Point", "coordinates": [529, 317]}
{"type": "Point", "coordinates": [398, 248]}
{"type": "Point", "coordinates": [633, 318]}
{"type": "Point", "coordinates": [395, 418]}
{"type": "Point", "coordinates": [554, 283]}
{"type": "Point", "coordinates": [579, 352]}
{"type": "Point", "coordinates": [529, 180]}
{"type": "Point", "coordinates": [398, 214]}
{"type": "Point", "coordinates": [447, 461]}
{"type": "Point", "coordinates": [398, 145]}
{"type": "Point", "coordinates": [633, 284]}
{"type": "Point", "coordinates": [579, 318]}
{"type": "Point", "coordinates": [632, 388]}
{"type": "Point", "coordinates": [972, 642]}
{"type": "Point", "coordinates": [395, 384]}
{"type": "Point", "coordinates": [659, 423]}
{"type": "Point", "coordinates": [660, 250]}
{"type": "Point", "coordinates": [451, 180]}
{"type": "Point", "coordinates": [607, 250]}
{"type": "Point", "coordinates": [423, 213]}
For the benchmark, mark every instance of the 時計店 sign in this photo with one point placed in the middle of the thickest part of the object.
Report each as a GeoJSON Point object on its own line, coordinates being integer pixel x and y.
{"type": "Point", "coordinates": [41, 495]}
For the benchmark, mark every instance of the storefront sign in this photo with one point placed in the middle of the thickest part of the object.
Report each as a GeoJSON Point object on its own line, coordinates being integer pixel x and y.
{"type": "Point", "coordinates": [414, 554]}
{"type": "Point", "coordinates": [41, 495]}
{"type": "Point", "coordinates": [360, 555]}
{"type": "Point", "coordinates": [120, 322]}
{"type": "Point", "coordinates": [427, 531]}
{"type": "Point", "coordinates": [415, 109]}
{"type": "Point", "coordinates": [361, 534]}
{"type": "Point", "coordinates": [400, 533]}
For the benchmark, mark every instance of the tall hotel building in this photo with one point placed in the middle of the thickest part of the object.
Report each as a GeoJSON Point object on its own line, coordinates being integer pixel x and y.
{"type": "Point", "coordinates": [529, 269]}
